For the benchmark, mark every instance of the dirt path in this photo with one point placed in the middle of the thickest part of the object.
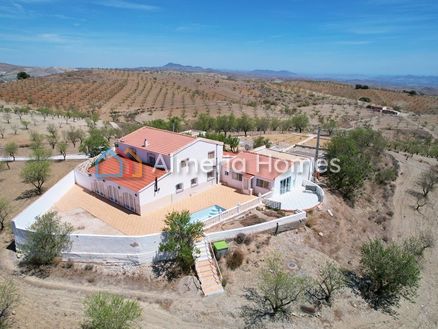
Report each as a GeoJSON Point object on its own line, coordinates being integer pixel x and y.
{"type": "Point", "coordinates": [407, 222]}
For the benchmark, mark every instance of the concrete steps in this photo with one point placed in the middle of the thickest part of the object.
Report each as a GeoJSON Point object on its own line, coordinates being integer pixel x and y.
{"type": "Point", "coordinates": [207, 270]}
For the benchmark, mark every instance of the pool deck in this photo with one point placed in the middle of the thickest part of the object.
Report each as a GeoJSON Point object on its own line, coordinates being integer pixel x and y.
{"type": "Point", "coordinates": [116, 220]}
{"type": "Point", "coordinates": [297, 199]}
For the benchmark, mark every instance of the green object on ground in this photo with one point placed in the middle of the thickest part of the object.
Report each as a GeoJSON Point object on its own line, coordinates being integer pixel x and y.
{"type": "Point", "coordinates": [220, 245]}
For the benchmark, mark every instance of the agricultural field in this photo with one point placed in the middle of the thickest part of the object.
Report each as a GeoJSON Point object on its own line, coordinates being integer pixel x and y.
{"type": "Point", "coordinates": [127, 96]}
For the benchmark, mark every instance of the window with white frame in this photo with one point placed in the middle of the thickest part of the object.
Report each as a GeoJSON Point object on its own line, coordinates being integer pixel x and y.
{"type": "Point", "coordinates": [262, 183]}
{"type": "Point", "coordinates": [211, 155]}
{"type": "Point", "coordinates": [179, 187]}
{"type": "Point", "coordinates": [194, 181]}
{"type": "Point", "coordinates": [237, 176]}
{"type": "Point", "coordinates": [210, 175]}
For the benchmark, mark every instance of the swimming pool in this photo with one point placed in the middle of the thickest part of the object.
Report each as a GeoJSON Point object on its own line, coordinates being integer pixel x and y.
{"type": "Point", "coordinates": [206, 213]}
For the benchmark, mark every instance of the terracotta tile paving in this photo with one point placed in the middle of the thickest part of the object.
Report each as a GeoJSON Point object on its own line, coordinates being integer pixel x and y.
{"type": "Point", "coordinates": [152, 222]}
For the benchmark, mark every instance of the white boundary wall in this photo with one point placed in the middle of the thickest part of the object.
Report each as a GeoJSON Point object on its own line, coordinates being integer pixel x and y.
{"type": "Point", "coordinates": [22, 222]}
{"type": "Point", "coordinates": [123, 249]}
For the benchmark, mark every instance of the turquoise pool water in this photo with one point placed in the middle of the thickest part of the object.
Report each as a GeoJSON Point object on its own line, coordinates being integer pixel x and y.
{"type": "Point", "coordinates": [206, 213]}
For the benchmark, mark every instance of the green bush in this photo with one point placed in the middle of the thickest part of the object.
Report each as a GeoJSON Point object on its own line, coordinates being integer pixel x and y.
{"type": "Point", "coordinates": [385, 176]}
{"type": "Point", "coordinates": [47, 239]}
{"type": "Point", "coordinates": [107, 311]}
{"type": "Point", "coordinates": [8, 298]}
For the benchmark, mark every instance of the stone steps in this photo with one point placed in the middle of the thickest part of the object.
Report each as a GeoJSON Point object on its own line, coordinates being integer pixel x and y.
{"type": "Point", "coordinates": [207, 271]}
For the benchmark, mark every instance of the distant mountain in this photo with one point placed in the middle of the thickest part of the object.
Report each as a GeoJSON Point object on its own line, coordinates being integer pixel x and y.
{"type": "Point", "coordinates": [266, 74]}
{"type": "Point", "coordinates": [8, 72]}
{"type": "Point", "coordinates": [425, 84]}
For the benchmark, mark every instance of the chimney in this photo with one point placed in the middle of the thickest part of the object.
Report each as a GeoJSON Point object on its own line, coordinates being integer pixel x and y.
{"type": "Point", "coordinates": [145, 143]}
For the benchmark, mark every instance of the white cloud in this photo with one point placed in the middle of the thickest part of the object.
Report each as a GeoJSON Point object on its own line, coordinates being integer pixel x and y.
{"type": "Point", "coordinates": [122, 4]}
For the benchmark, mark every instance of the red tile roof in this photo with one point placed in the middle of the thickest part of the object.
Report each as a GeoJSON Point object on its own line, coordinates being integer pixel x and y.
{"type": "Point", "coordinates": [258, 165]}
{"type": "Point", "coordinates": [157, 140]}
{"type": "Point", "coordinates": [135, 175]}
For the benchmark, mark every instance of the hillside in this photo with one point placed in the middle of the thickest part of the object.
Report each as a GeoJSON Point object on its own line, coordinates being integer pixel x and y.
{"type": "Point", "coordinates": [8, 72]}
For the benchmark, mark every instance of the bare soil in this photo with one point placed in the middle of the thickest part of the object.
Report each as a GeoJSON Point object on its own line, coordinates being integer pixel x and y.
{"type": "Point", "coordinates": [55, 299]}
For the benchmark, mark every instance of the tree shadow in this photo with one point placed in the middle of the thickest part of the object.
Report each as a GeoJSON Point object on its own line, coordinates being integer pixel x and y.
{"type": "Point", "coordinates": [362, 286]}
{"type": "Point", "coordinates": [41, 272]}
{"type": "Point", "coordinates": [167, 269]}
{"type": "Point", "coordinates": [28, 194]}
{"type": "Point", "coordinates": [414, 193]}
{"type": "Point", "coordinates": [256, 313]}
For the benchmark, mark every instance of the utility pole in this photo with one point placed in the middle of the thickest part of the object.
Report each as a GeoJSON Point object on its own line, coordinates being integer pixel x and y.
{"type": "Point", "coordinates": [315, 164]}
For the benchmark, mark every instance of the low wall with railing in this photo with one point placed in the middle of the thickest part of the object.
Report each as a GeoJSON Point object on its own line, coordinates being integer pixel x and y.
{"type": "Point", "coordinates": [233, 212]}
{"type": "Point", "coordinates": [289, 222]}
{"type": "Point", "coordinates": [318, 190]}
{"type": "Point", "coordinates": [122, 249]}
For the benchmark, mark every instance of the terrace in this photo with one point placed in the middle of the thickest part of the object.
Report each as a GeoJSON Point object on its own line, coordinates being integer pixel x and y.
{"type": "Point", "coordinates": [91, 214]}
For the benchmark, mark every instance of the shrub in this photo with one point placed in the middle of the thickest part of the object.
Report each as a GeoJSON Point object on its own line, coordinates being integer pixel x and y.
{"type": "Point", "coordinates": [48, 238]}
{"type": "Point", "coordinates": [385, 176]}
{"type": "Point", "coordinates": [234, 259]}
{"type": "Point", "coordinates": [240, 238]}
{"type": "Point", "coordinates": [8, 298]}
{"type": "Point", "coordinates": [107, 311]}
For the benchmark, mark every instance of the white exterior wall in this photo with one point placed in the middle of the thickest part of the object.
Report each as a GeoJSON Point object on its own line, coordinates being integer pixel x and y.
{"type": "Point", "coordinates": [197, 154]}
{"type": "Point", "coordinates": [229, 181]}
{"type": "Point", "coordinates": [144, 155]}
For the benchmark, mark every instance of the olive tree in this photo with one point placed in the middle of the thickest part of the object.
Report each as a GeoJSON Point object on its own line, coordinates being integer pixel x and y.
{"type": "Point", "coordinates": [62, 148]}
{"type": "Point", "coordinates": [11, 149]}
{"type": "Point", "coordinates": [277, 290]}
{"type": "Point", "coordinates": [428, 180]}
{"type": "Point", "coordinates": [103, 310]}
{"type": "Point", "coordinates": [5, 208]}
{"type": "Point", "coordinates": [47, 239]}
{"type": "Point", "coordinates": [181, 234]}
{"type": "Point", "coordinates": [300, 122]}
{"type": "Point", "coordinates": [36, 173]}
{"type": "Point", "coordinates": [392, 272]}
{"type": "Point", "coordinates": [330, 280]}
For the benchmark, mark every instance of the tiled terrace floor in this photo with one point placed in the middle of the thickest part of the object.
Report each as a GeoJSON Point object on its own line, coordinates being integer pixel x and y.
{"type": "Point", "coordinates": [152, 222]}
{"type": "Point", "coordinates": [297, 198]}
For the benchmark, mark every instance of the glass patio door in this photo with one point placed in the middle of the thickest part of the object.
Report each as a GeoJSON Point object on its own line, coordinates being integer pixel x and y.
{"type": "Point", "coordinates": [285, 185]}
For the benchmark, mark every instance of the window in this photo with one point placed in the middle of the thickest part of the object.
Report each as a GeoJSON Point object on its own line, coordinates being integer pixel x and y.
{"type": "Point", "coordinates": [194, 181]}
{"type": "Point", "coordinates": [179, 187]}
{"type": "Point", "coordinates": [151, 159]}
{"type": "Point", "coordinates": [184, 163]}
{"type": "Point", "coordinates": [226, 173]}
{"type": "Point", "coordinates": [237, 176]}
{"type": "Point", "coordinates": [262, 183]}
{"type": "Point", "coordinates": [210, 175]}
{"type": "Point", "coordinates": [211, 155]}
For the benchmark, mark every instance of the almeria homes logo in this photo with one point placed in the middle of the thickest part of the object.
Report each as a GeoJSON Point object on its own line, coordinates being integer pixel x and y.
{"type": "Point", "coordinates": [110, 164]}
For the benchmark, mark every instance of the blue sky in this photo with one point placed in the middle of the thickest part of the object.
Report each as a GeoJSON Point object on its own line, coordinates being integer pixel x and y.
{"type": "Point", "coordinates": [304, 36]}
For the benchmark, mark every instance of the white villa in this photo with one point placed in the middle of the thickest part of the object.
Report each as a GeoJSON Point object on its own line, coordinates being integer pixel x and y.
{"type": "Point", "coordinates": [150, 167]}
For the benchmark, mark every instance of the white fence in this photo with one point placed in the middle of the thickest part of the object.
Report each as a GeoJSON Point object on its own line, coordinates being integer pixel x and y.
{"type": "Point", "coordinates": [233, 212]}
{"type": "Point", "coordinates": [123, 249]}
{"type": "Point", "coordinates": [292, 221]}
